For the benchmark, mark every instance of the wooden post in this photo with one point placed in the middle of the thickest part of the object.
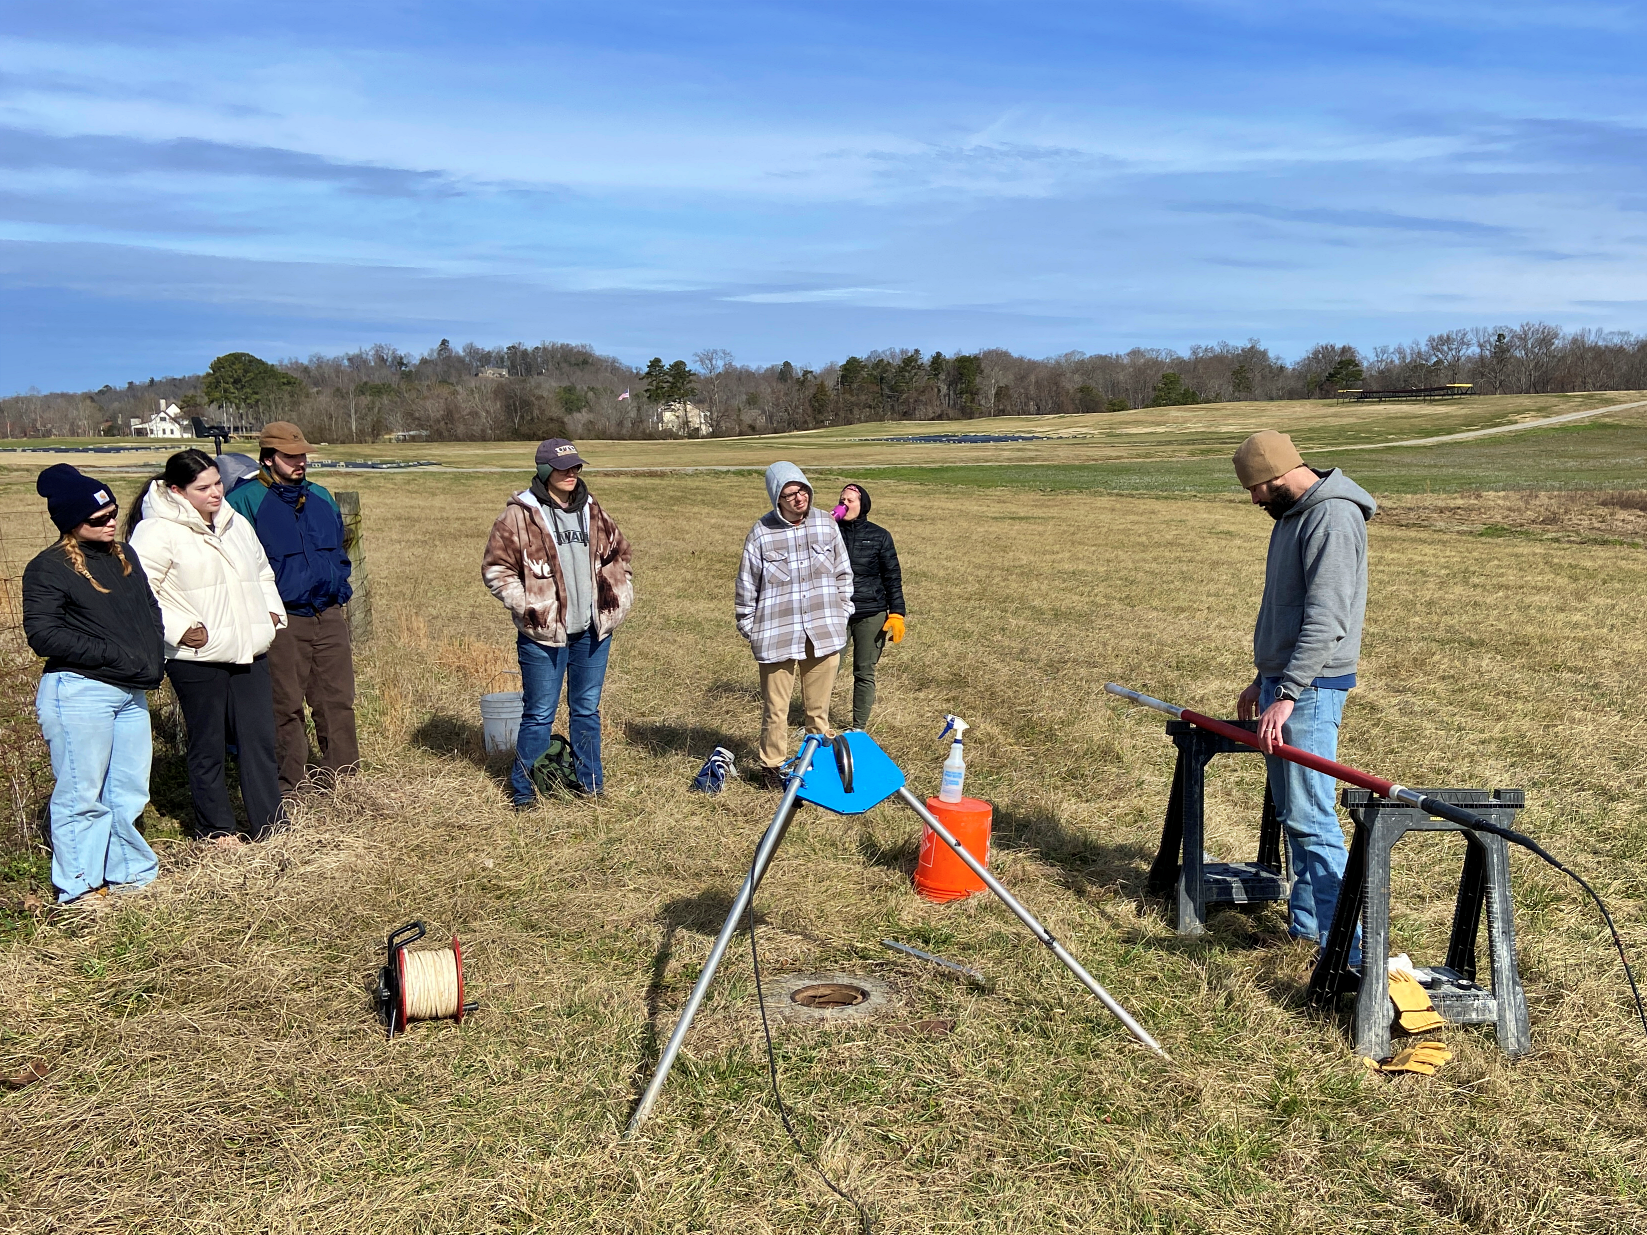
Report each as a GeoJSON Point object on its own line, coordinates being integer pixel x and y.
{"type": "Point", "coordinates": [354, 547]}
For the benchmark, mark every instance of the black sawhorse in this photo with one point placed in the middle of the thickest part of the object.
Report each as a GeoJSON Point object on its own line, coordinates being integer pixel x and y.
{"type": "Point", "coordinates": [1365, 898]}
{"type": "Point", "coordinates": [1179, 861]}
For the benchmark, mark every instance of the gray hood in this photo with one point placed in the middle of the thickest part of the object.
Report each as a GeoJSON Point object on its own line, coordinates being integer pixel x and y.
{"type": "Point", "coordinates": [781, 474]}
{"type": "Point", "coordinates": [1334, 484]}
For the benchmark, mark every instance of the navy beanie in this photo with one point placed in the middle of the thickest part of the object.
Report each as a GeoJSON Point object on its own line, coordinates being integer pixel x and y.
{"type": "Point", "coordinates": [71, 497]}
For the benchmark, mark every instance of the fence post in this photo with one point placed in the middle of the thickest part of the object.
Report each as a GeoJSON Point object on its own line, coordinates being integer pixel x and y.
{"type": "Point", "coordinates": [354, 547]}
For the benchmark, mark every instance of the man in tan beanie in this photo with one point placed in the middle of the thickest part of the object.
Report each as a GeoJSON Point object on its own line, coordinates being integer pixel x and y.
{"type": "Point", "coordinates": [1306, 646]}
{"type": "Point", "coordinates": [311, 660]}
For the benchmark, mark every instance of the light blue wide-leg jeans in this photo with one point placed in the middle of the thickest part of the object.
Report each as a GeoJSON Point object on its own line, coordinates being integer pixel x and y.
{"type": "Point", "coordinates": [100, 752]}
{"type": "Point", "coordinates": [1306, 803]}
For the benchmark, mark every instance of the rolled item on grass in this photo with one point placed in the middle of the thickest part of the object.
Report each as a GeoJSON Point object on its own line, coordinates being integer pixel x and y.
{"type": "Point", "coordinates": [1394, 792]}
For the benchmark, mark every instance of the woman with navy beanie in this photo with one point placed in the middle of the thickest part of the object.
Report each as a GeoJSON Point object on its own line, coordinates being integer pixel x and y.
{"type": "Point", "coordinates": [88, 610]}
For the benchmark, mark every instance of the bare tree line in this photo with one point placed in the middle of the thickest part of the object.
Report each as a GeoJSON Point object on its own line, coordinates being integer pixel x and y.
{"type": "Point", "coordinates": [519, 392]}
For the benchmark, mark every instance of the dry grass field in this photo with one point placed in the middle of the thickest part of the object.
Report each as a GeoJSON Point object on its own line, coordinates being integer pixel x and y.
{"type": "Point", "coordinates": [214, 1064]}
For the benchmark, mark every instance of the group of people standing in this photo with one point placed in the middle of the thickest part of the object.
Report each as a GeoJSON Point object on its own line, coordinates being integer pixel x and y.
{"type": "Point", "coordinates": [237, 600]}
{"type": "Point", "coordinates": [812, 590]}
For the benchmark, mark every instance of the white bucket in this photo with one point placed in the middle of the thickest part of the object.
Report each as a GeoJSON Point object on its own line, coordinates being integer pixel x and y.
{"type": "Point", "coordinates": [500, 719]}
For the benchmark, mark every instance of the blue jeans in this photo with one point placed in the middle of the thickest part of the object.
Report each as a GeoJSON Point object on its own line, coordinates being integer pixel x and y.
{"type": "Point", "coordinates": [1305, 802]}
{"type": "Point", "coordinates": [582, 665]}
{"type": "Point", "coordinates": [99, 740]}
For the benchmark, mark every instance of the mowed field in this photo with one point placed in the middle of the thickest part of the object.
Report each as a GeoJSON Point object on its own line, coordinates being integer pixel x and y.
{"type": "Point", "coordinates": [214, 1061]}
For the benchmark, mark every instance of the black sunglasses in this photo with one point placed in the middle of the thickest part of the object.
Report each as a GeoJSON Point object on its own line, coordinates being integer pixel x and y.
{"type": "Point", "coordinates": [103, 520]}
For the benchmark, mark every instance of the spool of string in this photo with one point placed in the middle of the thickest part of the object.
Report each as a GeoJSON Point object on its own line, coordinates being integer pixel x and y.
{"type": "Point", "coordinates": [432, 985]}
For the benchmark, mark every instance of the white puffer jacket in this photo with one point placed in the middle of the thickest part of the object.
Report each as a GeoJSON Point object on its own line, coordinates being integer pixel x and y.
{"type": "Point", "coordinates": [219, 577]}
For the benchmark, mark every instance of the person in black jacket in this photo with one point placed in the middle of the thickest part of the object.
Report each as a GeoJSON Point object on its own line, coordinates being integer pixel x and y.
{"type": "Point", "coordinates": [88, 610]}
{"type": "Point", "coordinates": [877, 597]}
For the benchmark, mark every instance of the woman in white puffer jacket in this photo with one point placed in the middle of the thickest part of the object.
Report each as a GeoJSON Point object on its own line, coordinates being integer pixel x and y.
{"type": "Point", "coordinates": [220, 610]}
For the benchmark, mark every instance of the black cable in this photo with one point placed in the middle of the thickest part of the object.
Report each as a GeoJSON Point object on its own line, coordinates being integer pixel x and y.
{"type": "Point", "coordinates": [1528, 843]}
{"type": "Point", "coordinates": [772, 1070]}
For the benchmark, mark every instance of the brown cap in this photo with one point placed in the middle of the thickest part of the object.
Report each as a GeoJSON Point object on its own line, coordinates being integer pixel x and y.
{"type": "Point", "coordinates": [1264, 456]}
{"type": "Point", "coordinates": [284, 436]}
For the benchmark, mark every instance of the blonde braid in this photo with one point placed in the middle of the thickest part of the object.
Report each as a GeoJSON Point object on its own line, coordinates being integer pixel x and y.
{"type": "Point", "coordinates": [125, 563]}
{"type": "Point", "coordinates": [77, 559]}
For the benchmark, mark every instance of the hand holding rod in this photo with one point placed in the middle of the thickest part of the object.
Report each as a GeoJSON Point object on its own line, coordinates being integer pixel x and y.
{"type": "Point", "coordinates": [1397, 793]}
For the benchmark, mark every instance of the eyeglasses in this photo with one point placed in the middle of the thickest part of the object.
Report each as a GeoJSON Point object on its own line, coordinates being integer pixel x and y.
{"type": "Point", "coordinates": [103, 520]}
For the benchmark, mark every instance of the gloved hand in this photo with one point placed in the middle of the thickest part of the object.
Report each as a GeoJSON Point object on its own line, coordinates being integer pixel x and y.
{"type": "Point", "coordinates": [1415, 1012]}
{"type": "Point", "coordinates": [1421, 1057]}
{"type": "Point", "coordinates": [894, 627]}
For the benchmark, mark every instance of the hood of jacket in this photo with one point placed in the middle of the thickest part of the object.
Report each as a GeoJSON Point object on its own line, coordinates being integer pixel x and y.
{"type": "Point", "coordinates": [781, 474]}
{"type": "Point", "coordinates": [863, 502]}
{"type": "Point", "coordinates": [1334, 484]}
{"type": "Point", "coordinates": [161, 503]}
{"type": "Point", "coordinates": [574, 504]}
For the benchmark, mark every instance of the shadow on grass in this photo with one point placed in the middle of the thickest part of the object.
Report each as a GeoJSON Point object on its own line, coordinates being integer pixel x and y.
{"type": "Point", "coordinates": [457, 735]}
{"type": "Point", "coordinates": [703, 914]}
{"type": "Point", "coordinates": [696, 741]}
{"type": "Point", "coordinates": [1083, 862]}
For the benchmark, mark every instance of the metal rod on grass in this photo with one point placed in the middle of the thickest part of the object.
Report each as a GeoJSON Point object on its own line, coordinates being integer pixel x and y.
{"type": "Point", "coordinates": [1028, 919]}
{"type": "Point", "coordinates": [770, 840]}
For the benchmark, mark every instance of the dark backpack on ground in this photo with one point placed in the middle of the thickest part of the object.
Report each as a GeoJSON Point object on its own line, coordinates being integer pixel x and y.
{"type": "Point", "coordinates": [556, 770]}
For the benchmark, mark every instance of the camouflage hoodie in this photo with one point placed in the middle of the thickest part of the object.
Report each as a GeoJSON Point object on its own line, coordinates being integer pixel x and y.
{"type": "Point", "coordinates": [521, 568]}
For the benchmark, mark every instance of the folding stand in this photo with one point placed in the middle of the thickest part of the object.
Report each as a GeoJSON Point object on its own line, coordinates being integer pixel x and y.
{"type": "Point", "coordinates": [860, 776]}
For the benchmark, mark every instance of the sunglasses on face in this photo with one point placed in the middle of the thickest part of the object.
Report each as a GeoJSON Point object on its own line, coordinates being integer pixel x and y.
{"type": "Point", "coordinates": [103, 520]}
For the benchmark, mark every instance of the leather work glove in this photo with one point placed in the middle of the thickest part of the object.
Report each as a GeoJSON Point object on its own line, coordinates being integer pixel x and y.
{"type": "Point", "coordinates": [1422, 1057]}
{"type": "Point", "coordinates": [894, 627]}
{"type": "Point", "coordinates": [1414, 1011]}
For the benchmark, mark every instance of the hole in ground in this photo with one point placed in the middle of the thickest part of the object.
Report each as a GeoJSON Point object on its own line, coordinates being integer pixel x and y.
{"type": "Point", "coordinates": [826, 995]}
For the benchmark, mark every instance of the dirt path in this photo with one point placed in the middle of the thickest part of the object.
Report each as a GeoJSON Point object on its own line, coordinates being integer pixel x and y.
{"type": "Point", "coordinates": [1564, 418]}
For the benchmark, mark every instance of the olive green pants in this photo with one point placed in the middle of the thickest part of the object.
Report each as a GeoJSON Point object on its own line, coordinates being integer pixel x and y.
{"type": "Point", "coordinates": [864, 641]}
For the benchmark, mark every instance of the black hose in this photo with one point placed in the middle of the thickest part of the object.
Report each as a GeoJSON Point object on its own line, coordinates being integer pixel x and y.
{"type": "Point", "coordinates": [1469, 819]}
{"type": "Point", "coordinates": [772, 1071]}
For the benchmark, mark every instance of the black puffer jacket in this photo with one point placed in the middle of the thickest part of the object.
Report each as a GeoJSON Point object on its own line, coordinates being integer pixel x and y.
{"type": "Point", "coordinates": [878, 583]}
{"type": "Point", "coordinates": [112, 637]}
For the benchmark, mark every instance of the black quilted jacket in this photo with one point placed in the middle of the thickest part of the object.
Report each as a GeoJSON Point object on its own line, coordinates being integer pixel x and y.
{"type": "Point", "coordinates": [878, 584]}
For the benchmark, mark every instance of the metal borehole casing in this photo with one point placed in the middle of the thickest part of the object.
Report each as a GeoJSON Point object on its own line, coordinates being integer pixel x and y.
{"type": "Point", "coordinates": [827, 998]}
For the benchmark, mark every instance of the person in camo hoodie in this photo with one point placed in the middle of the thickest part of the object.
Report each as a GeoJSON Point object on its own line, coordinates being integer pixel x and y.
{"type": "Point", "coordinates": [562, 567]}
{"type": "Point", "coordinates": [792, 599]}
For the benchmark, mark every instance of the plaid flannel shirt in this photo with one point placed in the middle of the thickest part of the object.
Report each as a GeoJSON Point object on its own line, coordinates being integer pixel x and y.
{"type": "Point", "coordinates": [794, 583]}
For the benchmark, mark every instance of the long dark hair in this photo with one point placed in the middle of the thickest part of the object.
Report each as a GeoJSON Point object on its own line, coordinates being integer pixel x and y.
{"type": "Point", "coordinates": [181, 471]}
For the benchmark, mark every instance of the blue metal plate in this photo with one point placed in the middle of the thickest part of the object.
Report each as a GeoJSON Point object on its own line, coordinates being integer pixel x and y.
{"type": "Point", "coordinates": [875, 778]}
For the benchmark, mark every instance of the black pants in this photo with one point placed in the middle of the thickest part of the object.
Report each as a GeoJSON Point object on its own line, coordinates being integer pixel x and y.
{"type": "Point", "coordinates": [224, 703]}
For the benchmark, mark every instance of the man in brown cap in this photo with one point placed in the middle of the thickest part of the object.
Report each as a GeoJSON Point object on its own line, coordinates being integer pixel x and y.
{"type": "Point", "coordinates": [311, 660]}
{"type": "Point", "coordinates": [1306, 646]}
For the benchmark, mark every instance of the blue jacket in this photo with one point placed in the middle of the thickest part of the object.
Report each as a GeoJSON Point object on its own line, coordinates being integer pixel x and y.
{"type": "Point", "coordinates": [302, 532]}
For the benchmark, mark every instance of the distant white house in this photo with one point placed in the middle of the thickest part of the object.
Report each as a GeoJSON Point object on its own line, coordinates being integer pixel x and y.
{"type": "Point", "coordinates": [169, 421]}
{"type": "Point", "coordinates": [494, 372]}
{"type": "Point", "coordinates": [687, 418]}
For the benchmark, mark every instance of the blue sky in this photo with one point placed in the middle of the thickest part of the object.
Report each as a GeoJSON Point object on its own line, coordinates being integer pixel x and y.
{"type": "Point", "coordinates": [801, 181]}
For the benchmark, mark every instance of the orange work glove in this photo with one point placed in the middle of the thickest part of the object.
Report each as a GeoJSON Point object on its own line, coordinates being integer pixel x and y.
{"type": "Point", "coordinates": [895, 626]}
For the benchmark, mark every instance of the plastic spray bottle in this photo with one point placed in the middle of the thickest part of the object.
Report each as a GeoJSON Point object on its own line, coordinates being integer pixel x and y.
{"type": "Point", "coordinates": [955, 765]}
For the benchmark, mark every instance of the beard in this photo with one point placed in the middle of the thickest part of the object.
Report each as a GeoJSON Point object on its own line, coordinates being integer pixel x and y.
{"type": "Point", "coordinates": [1276, 507]}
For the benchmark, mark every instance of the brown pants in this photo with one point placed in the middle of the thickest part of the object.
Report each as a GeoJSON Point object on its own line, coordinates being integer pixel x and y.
{"type": "Point", "coordinates": [817, 678]}
{"type": "Point", "coordinates": [311, 661]}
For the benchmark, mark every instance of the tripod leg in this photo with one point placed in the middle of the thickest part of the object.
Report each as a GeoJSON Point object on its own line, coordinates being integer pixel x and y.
{"type": "Point", "coordinates": [1029, 920]}
{"type": "Point", "coordinates": [770, 840]}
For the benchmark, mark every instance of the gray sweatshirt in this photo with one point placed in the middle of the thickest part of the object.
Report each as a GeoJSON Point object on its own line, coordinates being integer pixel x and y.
{"type": "Point", "coordinates": [1315, 588]}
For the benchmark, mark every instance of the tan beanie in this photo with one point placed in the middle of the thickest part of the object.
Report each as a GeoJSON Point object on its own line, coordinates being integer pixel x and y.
{"type": "Point", "coordinates": [1264, 456]}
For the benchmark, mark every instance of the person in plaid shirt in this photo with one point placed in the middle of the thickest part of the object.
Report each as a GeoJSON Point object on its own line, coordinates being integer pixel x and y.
{"type": "Point", "coordinates": [792, 601]}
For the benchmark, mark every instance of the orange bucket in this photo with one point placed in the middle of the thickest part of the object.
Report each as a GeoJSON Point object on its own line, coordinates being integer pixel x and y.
{"type": "Point", "coordinates": [940, 875]}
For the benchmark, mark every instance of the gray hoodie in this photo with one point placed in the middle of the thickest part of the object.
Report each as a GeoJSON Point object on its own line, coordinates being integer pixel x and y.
{"type": "Point", "coordinates": [1315, 586]}
{"type": "Point", "coordinates": [781, 474]}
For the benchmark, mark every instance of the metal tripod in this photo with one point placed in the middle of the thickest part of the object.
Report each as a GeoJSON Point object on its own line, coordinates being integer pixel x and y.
{"type": "Point", "coordinates": [768, 847]}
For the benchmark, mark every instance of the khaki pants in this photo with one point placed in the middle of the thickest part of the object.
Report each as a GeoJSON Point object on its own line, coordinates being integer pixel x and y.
{"type": "Point", "coordinates": [817, 677]}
